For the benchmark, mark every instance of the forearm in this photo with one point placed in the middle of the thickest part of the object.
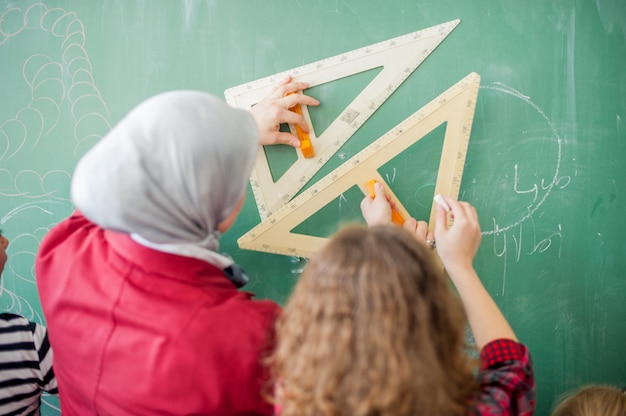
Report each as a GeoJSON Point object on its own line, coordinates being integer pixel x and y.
{"type": "Point", "coordinates": [485, 318]}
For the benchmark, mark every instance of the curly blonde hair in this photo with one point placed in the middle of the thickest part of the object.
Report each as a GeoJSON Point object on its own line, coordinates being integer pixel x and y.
{"type": "Point", "coordinates": [591, 401]}
{"type": "Point", "coordinates": [373, 328]}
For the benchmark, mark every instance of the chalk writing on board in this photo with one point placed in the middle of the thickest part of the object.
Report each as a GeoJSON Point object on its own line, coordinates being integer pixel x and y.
{"type": "Point", "coordinates": [539, 191]}
{"type": "Point", "coordinates": [521, 232]}
{"type": "Point", "coordinates": [392, 178]}
{"type": "Point", "coordinates": [513, 229]}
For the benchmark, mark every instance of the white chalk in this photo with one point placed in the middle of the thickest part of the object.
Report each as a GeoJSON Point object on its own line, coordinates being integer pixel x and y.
{"type": "Point", "coordinates": [439, 199]}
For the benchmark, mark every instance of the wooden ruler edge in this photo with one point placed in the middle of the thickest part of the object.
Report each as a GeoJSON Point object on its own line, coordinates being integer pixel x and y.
{"type": "Point", "coordinates": [271, 195]}
{"type": "Point", "coordinates": [266, 83]}
{"type": "Point", "coordinates": [469, 84]}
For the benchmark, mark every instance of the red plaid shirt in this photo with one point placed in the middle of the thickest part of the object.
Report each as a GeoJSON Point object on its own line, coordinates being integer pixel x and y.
{"type": "Point", "coordinates": [507, 380]}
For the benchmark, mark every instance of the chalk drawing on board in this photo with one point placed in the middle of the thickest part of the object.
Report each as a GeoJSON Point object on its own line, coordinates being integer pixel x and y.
{"type": "Point", "coordinates": [540, 191]}
{"type": "Point", "coordinates": [47, 401]}
{"type": "Point", "coordinates": [455, 107]}
{"type": "Point", "coordinates": [513, 227]}
{"type": "Point", "coordinates": [398, 58]}
{"type": "Point", "coordinates": [55, 105]}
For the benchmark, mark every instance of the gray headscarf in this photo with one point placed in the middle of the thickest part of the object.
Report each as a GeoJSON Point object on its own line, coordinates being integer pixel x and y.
{"type": "Point", "coordinates": [170, 172]}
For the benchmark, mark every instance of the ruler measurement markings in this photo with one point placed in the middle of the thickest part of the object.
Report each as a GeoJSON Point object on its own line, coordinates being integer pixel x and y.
{"type": "Point", "coordinates": [389, 145]}
{"type": "Point", "coordinates": [263, 84]}
{"type": "Point", "coordinates": [366, 103]}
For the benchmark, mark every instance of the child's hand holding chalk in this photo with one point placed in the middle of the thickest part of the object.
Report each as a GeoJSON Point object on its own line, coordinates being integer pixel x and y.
{"type": "Point", "coordinates": [442, 202]}
{"type": "Point", "coordinates": [457, 243]}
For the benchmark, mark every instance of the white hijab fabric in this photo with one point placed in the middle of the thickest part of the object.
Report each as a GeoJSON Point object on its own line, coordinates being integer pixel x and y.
{"type": "Point", "coordinates": [170, 172]}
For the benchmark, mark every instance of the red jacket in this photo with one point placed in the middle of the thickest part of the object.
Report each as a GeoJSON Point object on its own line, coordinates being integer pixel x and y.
{"type": "Point", "coordinates": [141, 332]}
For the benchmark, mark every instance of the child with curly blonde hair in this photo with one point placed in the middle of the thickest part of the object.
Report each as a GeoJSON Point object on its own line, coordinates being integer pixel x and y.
{"type": "Point", "coordinates": [593, 400]}
{"type": "Point", "coordinates": [373, 327]}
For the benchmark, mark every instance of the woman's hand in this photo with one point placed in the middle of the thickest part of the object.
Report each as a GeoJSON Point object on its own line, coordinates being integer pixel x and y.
{"type": "Point", "coordinates": [273, 111]}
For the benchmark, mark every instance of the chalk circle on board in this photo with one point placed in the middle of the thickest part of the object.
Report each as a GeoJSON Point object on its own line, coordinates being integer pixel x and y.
{"type": "Point", "coordinates": [516, 168]}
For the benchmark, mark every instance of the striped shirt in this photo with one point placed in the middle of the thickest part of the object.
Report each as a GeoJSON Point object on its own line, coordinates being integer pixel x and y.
{"type": "Point", "coordinates": [25, 365]}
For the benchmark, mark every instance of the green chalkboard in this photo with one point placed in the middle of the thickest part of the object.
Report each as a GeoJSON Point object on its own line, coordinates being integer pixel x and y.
{"type": "Point", "coordinates": [545, 165]}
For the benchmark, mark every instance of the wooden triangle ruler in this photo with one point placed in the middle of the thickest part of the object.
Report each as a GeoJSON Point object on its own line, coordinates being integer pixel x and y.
{"type": "Point", "coordinates": [455, 106]}
{"type": "Point", "coordinates": [398, 57]}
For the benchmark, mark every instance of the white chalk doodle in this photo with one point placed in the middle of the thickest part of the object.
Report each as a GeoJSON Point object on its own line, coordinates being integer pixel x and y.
{"type": "Point", "coordinates": [59, 113]}
{"type": "Point", "coordinates": [556, 181]}
{"type": "Point", "coordinates": [538, 190]}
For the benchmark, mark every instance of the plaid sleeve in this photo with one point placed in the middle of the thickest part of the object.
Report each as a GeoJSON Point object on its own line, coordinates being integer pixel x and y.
{"type": "Point", "coordinates": [506, 379]}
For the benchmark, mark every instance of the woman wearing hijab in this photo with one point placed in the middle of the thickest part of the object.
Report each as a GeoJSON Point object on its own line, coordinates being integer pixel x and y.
{"type": "Point", "coordinates": [144, 314]}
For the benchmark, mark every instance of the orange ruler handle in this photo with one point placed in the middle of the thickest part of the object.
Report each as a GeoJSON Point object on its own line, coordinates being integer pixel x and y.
{"type": "Point", "coordinates": [396, 217]}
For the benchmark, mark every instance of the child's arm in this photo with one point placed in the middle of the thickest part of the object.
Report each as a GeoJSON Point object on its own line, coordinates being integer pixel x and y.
{"type": "Point", "coordinates": [457, 245]}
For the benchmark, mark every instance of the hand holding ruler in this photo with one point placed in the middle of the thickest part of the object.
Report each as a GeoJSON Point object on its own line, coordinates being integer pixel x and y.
{"type": "Point", "coordinates": [281, 212]}
{"type": "Point", "coordinates": [398, 57]}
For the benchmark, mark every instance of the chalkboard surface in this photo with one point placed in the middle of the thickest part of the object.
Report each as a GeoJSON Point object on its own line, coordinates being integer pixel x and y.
{"type": "Point", "coordinates": [545, 165]}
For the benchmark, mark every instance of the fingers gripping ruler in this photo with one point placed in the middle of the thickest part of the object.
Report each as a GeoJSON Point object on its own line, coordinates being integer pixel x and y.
{"type": "Point", "coordinates": [398, 57]}
{"type": "Point", "coordinates": [455, 106]}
